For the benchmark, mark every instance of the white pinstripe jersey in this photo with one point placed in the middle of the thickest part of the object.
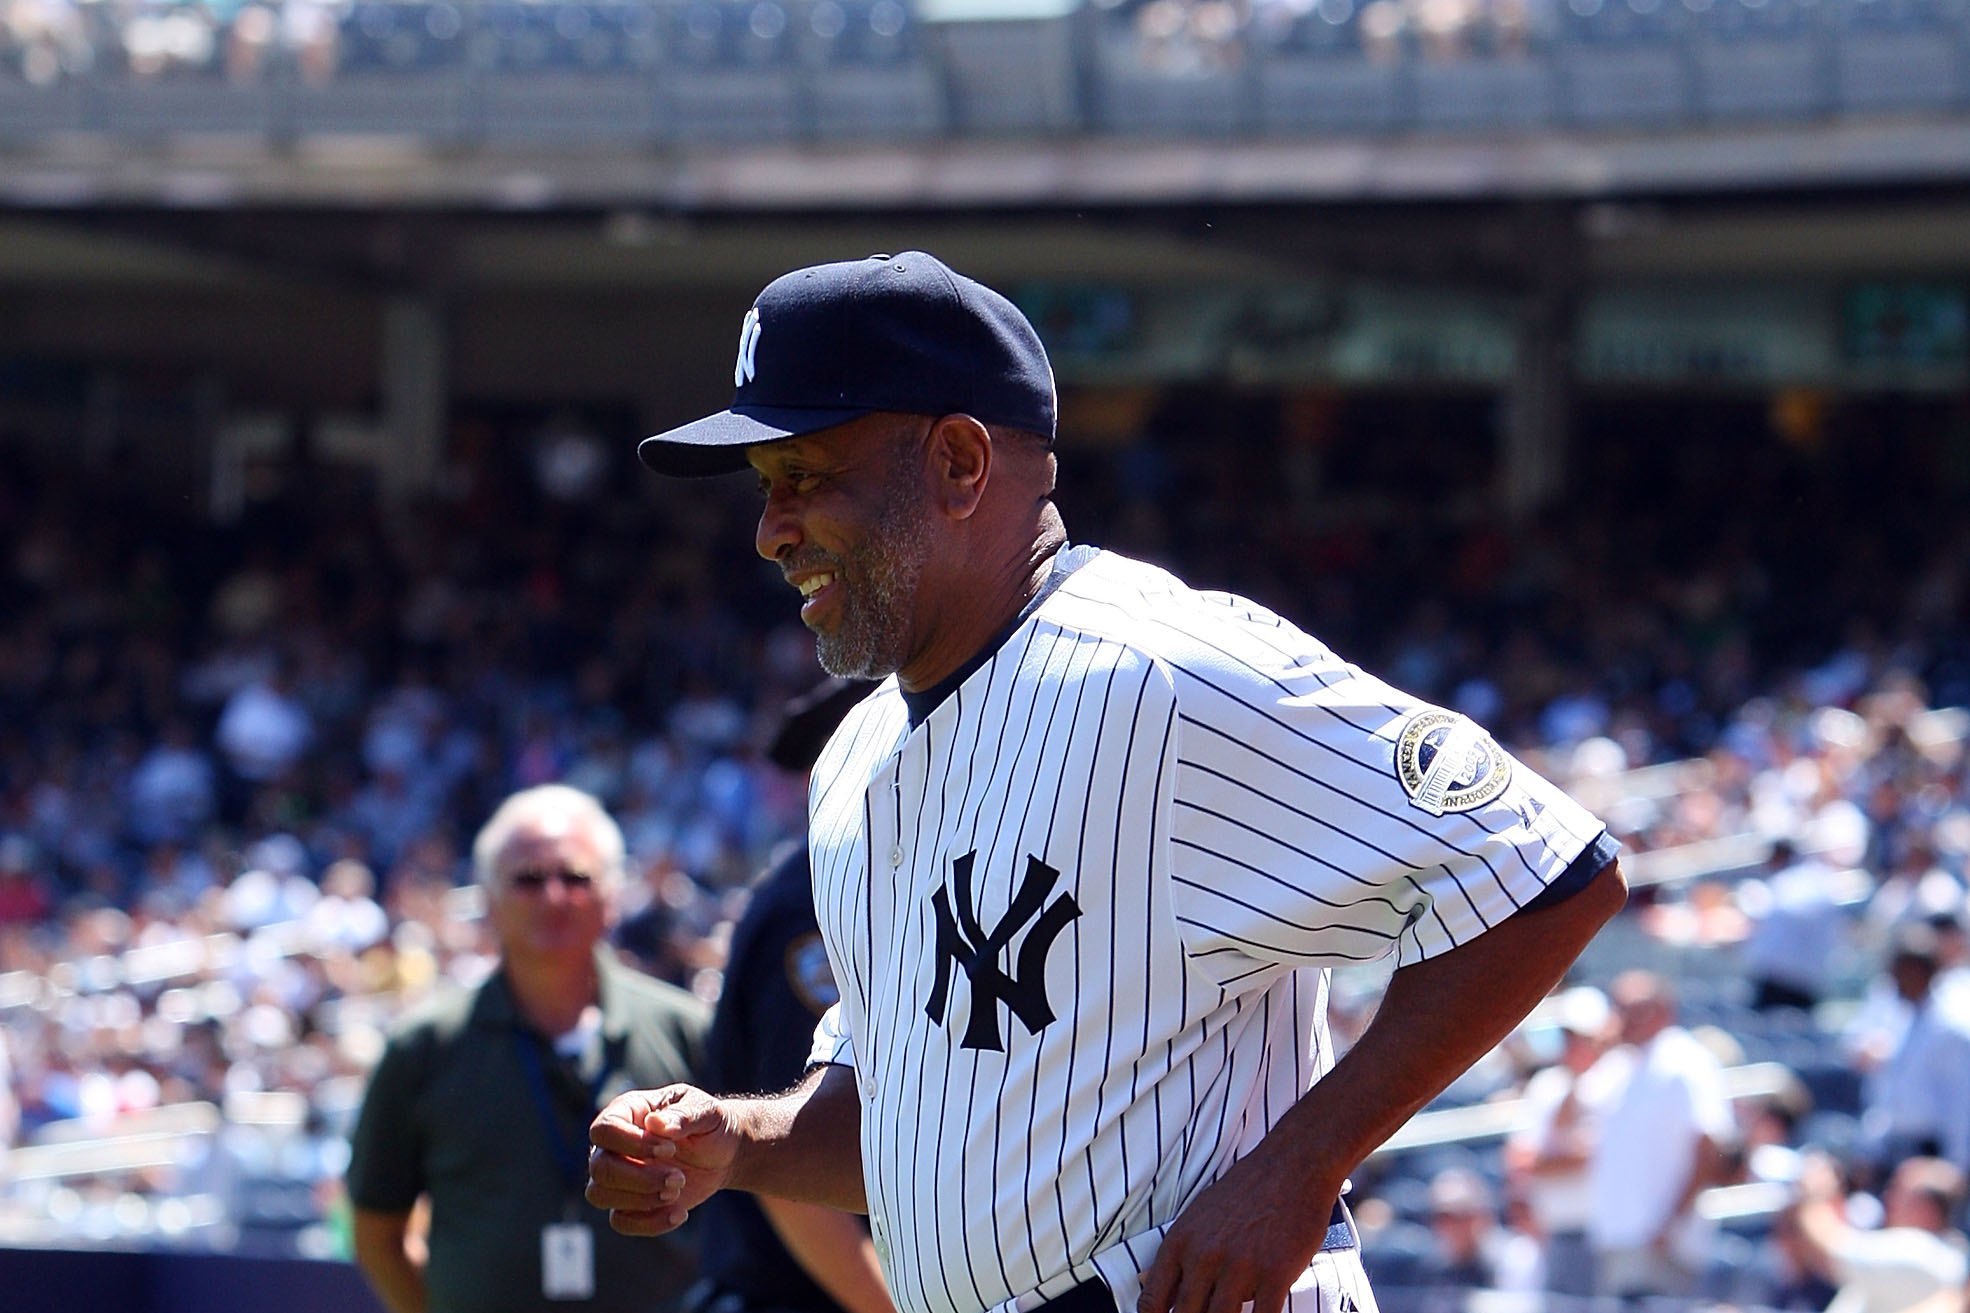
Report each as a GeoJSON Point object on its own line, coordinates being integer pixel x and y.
{"type": "Point", "coordinates": [1157, 804]}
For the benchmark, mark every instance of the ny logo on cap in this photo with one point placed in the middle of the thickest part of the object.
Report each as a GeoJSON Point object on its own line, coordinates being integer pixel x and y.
{"type": "Point", "coordinates": [747, 369]}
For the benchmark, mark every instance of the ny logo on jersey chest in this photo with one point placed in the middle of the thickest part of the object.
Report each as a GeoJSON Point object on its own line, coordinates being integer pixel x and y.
{"type": "Point", "coordinates": [962, 941]}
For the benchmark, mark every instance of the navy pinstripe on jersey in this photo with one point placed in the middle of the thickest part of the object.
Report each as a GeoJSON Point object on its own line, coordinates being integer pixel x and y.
{"type": "Point", "coordinates": [1223, 801]}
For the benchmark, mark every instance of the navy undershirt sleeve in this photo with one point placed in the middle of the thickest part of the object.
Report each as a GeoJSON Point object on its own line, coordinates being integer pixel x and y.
{"type": "Point", "coordinates": [1578, 875]}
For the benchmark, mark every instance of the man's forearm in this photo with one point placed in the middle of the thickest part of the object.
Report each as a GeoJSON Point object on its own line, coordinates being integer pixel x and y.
{"type": "Point", "coordinates": [833, 1249]}
{"type": "Point", "coordinates": [805, 1144]}
{"type": "Point", "coordinates": [1437, 1018]}
{"type": "Point", "coordinates": [1821, 1231]}
{"type": "Point", "coordinates": [379, 1246]}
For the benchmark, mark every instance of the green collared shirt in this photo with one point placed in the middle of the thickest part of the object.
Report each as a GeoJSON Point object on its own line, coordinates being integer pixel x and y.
{"type": "Point", "coordinates": [452, 1112]}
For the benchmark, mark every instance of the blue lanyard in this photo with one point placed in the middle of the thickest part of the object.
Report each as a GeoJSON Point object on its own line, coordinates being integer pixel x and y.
{"type": "Point", "coordinates": [570, 1155]}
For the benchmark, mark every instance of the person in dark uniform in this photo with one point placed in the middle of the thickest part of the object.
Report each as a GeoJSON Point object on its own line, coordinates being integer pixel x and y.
{"type": "Point", "coordinates": [763, 1255]}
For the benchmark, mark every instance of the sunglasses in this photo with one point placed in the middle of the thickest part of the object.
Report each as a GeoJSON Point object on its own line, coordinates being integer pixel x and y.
{"type": "Point", "coordinates": [533, 880]}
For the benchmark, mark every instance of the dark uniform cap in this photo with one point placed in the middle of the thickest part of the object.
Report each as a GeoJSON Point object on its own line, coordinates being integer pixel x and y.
{"type": "Point", "coordinates": [833, 342]}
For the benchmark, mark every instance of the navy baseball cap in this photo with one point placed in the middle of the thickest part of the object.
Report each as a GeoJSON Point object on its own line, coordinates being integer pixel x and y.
{"type": "Point", "coordinates": [827, 344]}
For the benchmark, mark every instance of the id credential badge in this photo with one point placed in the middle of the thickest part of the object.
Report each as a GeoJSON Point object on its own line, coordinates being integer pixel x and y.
{"type": "Point", "coordinates": [567, 1261]}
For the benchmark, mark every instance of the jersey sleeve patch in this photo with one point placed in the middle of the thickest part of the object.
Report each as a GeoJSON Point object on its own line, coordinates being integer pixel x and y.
{"type": "Point", "coordinates": [1445, 763]}
{"type": "Point", "coordinates": [809, 975]}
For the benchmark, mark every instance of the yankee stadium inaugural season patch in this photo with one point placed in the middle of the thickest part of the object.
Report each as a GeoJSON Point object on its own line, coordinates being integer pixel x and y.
{"type": "Point", "coordinates": [1445, 763]}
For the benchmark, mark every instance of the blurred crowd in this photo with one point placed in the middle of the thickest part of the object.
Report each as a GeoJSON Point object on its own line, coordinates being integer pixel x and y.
{"type": "Point", "coordinates": [46, 41]}
{"type": "Point", "coordinates": [246, 43]}
{"type": "Point", "coordinates": [240, 761]}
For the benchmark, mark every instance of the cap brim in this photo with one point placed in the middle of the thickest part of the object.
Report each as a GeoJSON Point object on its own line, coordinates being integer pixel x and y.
{"type": "Point", "coordinates": [717, 443]}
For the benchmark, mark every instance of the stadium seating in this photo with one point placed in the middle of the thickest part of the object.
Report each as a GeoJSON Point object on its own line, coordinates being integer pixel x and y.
{"type": "Point", "coordinates": [1318, 75]}
{"type": "Point", "coordinates": [625, 72]}
{"type": "Point", "coordinates": [868, 77]}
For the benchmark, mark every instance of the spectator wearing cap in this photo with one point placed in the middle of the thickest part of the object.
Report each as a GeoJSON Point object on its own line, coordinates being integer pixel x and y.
{"type": "Point", "coordinates": [1916, 1101]}
{"type": "Point", "coordinates": [1915, 1256]}
{"type": "Point", "coordinates": [1566, 1110]}
{"type": "Point", "coordinates": [1662, 1144]}
{"type": "Point", "coordinates": [763, 1254]}
{"type": "Point", "coordinates": [1470, 1251]}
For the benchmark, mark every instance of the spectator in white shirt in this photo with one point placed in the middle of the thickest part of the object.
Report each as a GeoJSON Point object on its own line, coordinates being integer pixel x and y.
{"type": "Point", "coordinates": [1566, 1106]}
{"type": "Point", "coordinates": [1663, 1143]}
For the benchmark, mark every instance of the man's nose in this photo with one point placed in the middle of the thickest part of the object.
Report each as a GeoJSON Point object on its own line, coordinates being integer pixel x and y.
{"type": "Point", "coordinates": [779, 531]}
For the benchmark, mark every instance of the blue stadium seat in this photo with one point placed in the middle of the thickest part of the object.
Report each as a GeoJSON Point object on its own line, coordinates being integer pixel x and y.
{"type": "Point", "coordinates": [402, 38]}
{"type": "Point", "coordinates": [523, 35]}
{"type": "Point", "coordinates": [568, 73]}
{"type": "Point", "coordinates": [731, 73]}
{"type": "Point", "coordinates": [868, 77]}
{"type": "Point", "coordinates": [733, 34]}
{"type": "Point", "coordinates": [876, 33]}
{"type": "Point", "coordinates": [1834, 1085]}
{"type": "Point", "coordinates": [1622, 22]}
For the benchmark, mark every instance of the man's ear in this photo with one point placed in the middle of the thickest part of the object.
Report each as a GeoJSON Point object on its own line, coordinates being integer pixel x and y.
{"type": "Point", "coordinates": [960, 464]}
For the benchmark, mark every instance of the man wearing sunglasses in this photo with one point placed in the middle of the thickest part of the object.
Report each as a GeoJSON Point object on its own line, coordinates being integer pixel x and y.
{"type": "Point", "coordinates": [481, 1102]}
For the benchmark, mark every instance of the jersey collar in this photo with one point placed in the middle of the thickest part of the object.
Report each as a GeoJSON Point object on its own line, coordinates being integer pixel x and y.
{"type": "Point", "coordinates": [1065, 562]}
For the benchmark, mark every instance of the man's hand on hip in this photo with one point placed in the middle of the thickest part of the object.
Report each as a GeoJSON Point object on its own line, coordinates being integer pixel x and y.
{"type": "Point", "coordinates": [1247, 1237]}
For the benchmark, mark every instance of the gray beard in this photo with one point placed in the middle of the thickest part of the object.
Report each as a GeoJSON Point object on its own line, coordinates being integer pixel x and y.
{"type": "Point", "coordinates": [870, 642]}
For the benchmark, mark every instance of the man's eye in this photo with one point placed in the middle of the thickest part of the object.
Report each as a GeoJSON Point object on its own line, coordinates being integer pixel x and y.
{"type": "Point", "coordinates": [795, 482]}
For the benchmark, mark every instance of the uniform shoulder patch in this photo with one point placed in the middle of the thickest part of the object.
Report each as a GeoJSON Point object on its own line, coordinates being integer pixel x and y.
{"type": "Point", "coordinates": [809, 975]}
{"type": "Point", "coordinates": [1445, 763]}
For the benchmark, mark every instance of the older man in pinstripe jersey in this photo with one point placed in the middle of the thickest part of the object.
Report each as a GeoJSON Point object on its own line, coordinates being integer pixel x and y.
{"type": "Point", "coordinates": [1083, 858]}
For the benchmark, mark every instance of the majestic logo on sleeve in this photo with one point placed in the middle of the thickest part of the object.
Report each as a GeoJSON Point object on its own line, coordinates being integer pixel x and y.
{"type": "Point", "coordinates": [1447, 764]}
{"type": "Point", "coordinates": [961, 940]}
{"type": "Point", "coordinates": [747, 367]}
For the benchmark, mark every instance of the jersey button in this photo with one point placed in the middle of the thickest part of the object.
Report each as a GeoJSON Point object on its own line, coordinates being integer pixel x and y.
{"type": "Point", "coordinates": [895, 858]}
